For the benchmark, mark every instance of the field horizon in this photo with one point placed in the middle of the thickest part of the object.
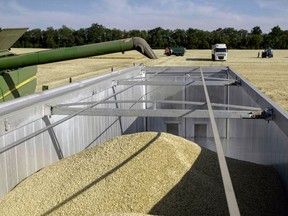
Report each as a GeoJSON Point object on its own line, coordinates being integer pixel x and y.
{"type": "Point", "coordinates": [269, 75]}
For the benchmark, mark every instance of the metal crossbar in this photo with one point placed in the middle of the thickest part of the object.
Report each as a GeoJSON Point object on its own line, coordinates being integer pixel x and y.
{"type": "Point", "coordinates": [175, 82]}
{"type": "Point", "coordinates": [193, 103]}
{"type": "Point", "coordinates": [228, 187]}
{"type": "Point", "coordinates": [36, 133]}
{"type": "Point", "coordinates": [175, 113]}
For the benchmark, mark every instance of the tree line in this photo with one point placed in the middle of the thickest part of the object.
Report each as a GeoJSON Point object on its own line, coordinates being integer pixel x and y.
{"type": "Point", "coordinates": [158, 38]}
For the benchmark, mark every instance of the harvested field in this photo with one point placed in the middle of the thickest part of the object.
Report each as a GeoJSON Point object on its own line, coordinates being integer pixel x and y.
{"type": "Point", "coordinates": [269, 75]}
{"type": "Point", "coordinates": [145, 173]}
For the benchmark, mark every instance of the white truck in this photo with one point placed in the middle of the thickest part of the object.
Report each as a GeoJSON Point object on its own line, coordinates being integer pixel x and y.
{"type": "Point", "coordinates": [219, 52]}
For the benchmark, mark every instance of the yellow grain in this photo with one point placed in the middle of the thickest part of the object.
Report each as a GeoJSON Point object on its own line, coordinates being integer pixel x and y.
{"type": "Point", "coordinates": [145, 173]}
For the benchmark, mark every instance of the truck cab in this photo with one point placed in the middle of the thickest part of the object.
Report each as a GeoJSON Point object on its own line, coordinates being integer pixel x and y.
{"type": "Point", "coordinates": [219, 52]}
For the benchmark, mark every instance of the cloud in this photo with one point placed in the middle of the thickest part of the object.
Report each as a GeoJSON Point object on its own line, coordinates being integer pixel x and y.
{"type": "Point", "coordinates": [13, 14]}
{"type": "Point", "coordinates": [149, 14]}
{"type": "Point", "coordinates": [17, 8]}
{"type": "Point", "coordinates": [272, 6]}
{"type": "Point", "coordinates": [144, 15]}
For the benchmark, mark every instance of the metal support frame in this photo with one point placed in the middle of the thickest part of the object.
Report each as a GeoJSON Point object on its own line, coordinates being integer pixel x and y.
{"type": "Point", "coordinates": [54, 139]}
{"type": "Point", "coordinates": [36, 133]}
{"type": "Point", "coordinates": [153, 102]}
{"type": "Point", "coordinates": [117, 107]}
{"type": "Point", "coordinates": [42, 130]}
{"type": "Point", "coordinates": [152, 109]}
{"type": "Point", "coordinates": [174, 82]}
{"type": "Point", "coordinates": [228, 187]}
{"type": "Point", "coordinates": [153, 112]}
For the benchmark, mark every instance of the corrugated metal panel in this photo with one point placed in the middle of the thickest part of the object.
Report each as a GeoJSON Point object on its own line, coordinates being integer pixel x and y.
{"type": "Point", "coordinates": [253, 140]}
{"type": "Point", "coordinates": [74, 135]}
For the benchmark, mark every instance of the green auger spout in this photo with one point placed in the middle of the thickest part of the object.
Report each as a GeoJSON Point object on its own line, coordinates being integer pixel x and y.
{"type": "Point", "coordinates": [18, 72]}
{"type": "Point", "coordinates": [62, 54]}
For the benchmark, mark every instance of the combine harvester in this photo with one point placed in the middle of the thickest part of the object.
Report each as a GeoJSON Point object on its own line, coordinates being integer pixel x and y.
{"type": "Point", "coordinates": [18, 72]}
{"type": "Point", "coordinates": [212, 106]}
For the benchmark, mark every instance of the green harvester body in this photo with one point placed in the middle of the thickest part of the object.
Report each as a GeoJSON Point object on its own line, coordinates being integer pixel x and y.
{"type": "Point", "coordinates": [18, 72]}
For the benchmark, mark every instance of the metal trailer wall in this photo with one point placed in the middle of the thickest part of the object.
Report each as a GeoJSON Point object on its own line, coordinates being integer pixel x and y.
{"type": "Point", "coordinates": [253, 140]}
{"type": "Point", "coordinates": [24, 116]}
{"type": "Point", "coordinates": [190, 128]}
{"type": "Point", "coordinates": [262, 142]}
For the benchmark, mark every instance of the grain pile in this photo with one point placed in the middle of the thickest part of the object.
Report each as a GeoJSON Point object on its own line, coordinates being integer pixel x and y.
{"type": "Point", "coordinates": [144, 173]}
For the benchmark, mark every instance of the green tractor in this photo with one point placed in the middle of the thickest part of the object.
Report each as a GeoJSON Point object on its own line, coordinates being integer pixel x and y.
{"type": "Point", "coordinates": [18, 72]}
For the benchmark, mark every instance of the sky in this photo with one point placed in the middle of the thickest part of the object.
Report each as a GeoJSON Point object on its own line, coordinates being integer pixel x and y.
{"type": "Point", "coordinates": [205, 15]}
